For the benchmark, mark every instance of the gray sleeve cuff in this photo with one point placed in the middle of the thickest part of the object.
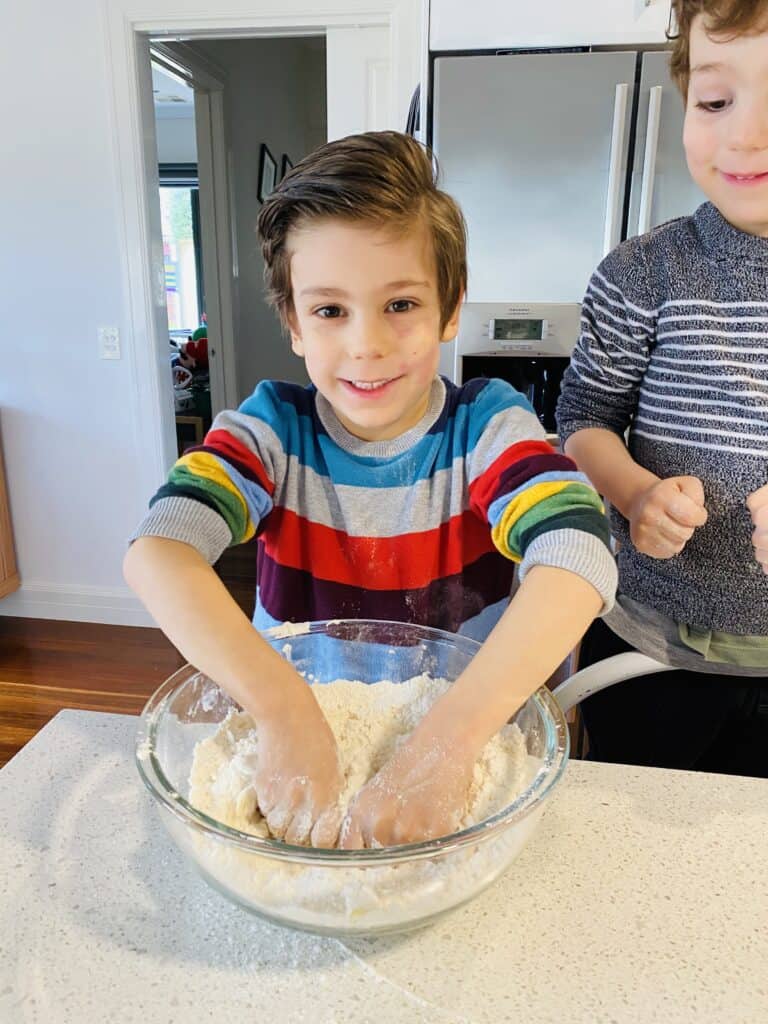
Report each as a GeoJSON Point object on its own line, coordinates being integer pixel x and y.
{"type": "Point", "coordinates": [189, 521]}
{"type": "Point", "coordinates": [578, 552]}
{"type": "Point", "coordinates": [568, 428]}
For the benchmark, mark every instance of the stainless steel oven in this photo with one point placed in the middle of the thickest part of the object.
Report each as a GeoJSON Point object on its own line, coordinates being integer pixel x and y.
{"type": "Point", "coordinates": [527, 345]}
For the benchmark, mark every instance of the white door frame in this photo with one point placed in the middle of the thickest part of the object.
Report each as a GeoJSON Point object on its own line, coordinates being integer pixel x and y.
{"type": "Point", "coordinates": [129, 29]}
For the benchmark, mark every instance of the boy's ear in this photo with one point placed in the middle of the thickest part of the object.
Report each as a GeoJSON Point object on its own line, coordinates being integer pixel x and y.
{"type": "Point", "coordinates": [451, 328]}
{"type": "Point", "coordinates": [297, 344]}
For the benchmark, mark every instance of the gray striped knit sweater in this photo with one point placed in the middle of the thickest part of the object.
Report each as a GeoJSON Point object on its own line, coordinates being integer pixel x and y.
{"type": "Point", "coordinates": [674, 346]}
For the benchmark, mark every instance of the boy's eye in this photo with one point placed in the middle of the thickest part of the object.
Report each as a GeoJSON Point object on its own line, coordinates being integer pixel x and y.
{"type": "Point", "coordinates": [712, 105]}
{"type": "Point", "coordinates": [401, 305]}
{"type": "Point", "coordinates": [328, 312]}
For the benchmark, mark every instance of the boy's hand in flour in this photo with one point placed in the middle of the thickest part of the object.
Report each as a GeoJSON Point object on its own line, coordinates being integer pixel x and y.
{"type": "Point", "coordinates": [420, 793]}
{"type": "Point", "coordinates": [298, 778]}
{"type": "Point", "coordinates": [757, 503]}
{"type": "Point", "coordinates": [663, 518]}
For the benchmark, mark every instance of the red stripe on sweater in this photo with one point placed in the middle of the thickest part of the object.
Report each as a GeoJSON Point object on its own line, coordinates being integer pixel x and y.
{"type": "Point", "coordinates": [407, 561]}
{"type": "Point", "coordinates": [484, 489]}
{"type": "Point", "coordinates": [231, 448]}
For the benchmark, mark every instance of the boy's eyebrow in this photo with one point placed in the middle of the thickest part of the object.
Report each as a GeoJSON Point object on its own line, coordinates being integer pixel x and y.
{"type": "Point", "coordinates": [320, 290]}
{"type": "Point", "coordinates": [710, 66]}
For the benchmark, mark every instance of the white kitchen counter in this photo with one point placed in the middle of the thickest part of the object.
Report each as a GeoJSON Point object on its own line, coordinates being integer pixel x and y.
{"type": "Point", "coordinates": [643, 898]}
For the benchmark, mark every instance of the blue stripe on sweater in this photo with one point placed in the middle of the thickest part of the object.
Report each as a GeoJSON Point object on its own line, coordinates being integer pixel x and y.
{"type": "Point", "coordinates": [256, 498]}
{"type": "Point", "coordinates": [289, 410]}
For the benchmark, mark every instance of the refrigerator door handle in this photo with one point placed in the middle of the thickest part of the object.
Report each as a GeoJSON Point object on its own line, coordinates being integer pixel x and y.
{"type": "Point", "coordinates": [649, 161]}
{"type": "Point", "coordinates": [613, 202]}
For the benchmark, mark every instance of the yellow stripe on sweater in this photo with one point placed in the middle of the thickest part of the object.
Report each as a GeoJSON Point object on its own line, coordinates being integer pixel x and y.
{"type": "Point", "coordinates": [517, 507]}
{"type": "Point", "coordinates": [208, 467]}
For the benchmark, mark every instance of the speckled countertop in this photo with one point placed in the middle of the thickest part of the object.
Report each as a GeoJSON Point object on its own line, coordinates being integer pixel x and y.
{"type": "Point", "coordinates": [643, 898]}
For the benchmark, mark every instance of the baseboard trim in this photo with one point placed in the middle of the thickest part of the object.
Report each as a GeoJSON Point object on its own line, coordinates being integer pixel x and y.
{"type": "Point", "coordinates": [115, 606]}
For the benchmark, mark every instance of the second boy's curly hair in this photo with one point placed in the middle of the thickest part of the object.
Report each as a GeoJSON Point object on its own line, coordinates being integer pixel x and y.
{"type": "Point", "coordinates": [384, 178]}
{"type": "Point", "coordinates": [721, 17]}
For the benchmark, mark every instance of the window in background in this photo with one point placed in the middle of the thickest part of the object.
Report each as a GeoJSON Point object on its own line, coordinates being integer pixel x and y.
{"type": "Point", "coordinates": [180, 214]}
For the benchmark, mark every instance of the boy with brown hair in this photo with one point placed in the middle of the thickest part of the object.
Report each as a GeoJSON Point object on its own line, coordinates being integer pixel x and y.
{"type": "Point", "coordinates": [381, 491]}
{"type": "Point", "coordinates": [674, 349]}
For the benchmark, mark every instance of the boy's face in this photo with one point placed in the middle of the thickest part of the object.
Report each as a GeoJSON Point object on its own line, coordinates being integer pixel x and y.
{"type": "Point", "coordinates": [366, 320]}
{"type": "Point", "coordinates": [726, 124]}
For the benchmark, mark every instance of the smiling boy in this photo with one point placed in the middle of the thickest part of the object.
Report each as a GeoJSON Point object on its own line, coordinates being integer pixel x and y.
{"type": "Point", "coordinates": [380, 491]}
{"type": "Point", "coordinates": [674, 348]}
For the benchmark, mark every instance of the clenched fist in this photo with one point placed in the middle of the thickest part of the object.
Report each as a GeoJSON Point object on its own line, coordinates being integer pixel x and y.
{"type": "Point", "coordinates": [663, 518]}
{"type": "Point", "coordinates": [757, 503]}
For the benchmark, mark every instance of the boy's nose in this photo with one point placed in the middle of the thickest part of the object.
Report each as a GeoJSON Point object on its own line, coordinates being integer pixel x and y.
{"type": "Point", "coordinates": [749, 130]}
{"type": "Point", "coordinates": [370, 340]}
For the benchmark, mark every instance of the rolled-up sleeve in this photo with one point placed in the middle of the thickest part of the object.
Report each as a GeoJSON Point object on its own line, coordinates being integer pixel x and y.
{"type": "Point", "coordinates": [540, 508]}
{"type": "Point", "coordinates": [217, 494]}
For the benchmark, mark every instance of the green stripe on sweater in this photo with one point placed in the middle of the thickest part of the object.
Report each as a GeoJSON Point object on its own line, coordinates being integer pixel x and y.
{"type": "Point", "coordinates": [584, 519]}
{"type": "Point", "coordinates": [575, 496]}
{"type": "Point", "coordinates": [228, 505]}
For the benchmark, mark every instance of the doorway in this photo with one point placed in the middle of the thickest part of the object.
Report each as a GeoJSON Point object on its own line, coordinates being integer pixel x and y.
{"type": "Point", "coordinates": [265, 112]}
{"type": "Point", "coordinates": [385, 77]}
{"type": "Point", "coordinates": [231, 117]}
{"type": "Point", "coordinates": [184, 279]}
{"type": "Point", "coordinates": [239, 99]}
{"type": "Point", "coordinates": [130, 29]}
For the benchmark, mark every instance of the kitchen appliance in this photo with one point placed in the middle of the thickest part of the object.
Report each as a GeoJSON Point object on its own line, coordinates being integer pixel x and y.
{"type": "Point", "coordinates": [555, 157]}
{"type": "Point", "coordinates": [527, 345]}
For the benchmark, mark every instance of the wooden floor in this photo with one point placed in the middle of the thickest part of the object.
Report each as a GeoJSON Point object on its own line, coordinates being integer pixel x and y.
{"type": "Point", "coordinates": [46, 665]}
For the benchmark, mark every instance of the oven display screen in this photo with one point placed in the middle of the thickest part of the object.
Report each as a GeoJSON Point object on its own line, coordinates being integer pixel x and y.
{"type": "Point", "coordinates": [518, 330]}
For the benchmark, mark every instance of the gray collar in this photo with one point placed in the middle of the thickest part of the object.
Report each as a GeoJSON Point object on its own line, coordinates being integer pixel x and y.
{"type": "Point", "coordinates": [381, 449]}
{"type": "Point", "coordinates": [722, 241]}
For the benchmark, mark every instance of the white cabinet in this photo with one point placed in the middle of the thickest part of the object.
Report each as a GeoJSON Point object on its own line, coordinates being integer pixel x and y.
{"type": "Point", "coordinates": [501, 24]}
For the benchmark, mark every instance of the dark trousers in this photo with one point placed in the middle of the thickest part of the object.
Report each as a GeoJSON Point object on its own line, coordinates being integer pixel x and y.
{"type": "Point", "coordinates": [693, 720]}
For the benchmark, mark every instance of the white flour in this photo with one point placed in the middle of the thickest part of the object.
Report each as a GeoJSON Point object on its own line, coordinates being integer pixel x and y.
{"type": "Point", "coordinates": [368, 721]}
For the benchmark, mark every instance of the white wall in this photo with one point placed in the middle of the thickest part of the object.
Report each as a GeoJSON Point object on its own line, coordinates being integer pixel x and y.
{"type": "Point", "coordinates": [71, 455]}
{"type": "Point", "coordinates": [174, 105]}
{"type": "Point", "coordinates": [176, 142]}
{"type": "Point", "coordinates": [75, 450]}
{"type": "Point", "coordinates": [275, 94]}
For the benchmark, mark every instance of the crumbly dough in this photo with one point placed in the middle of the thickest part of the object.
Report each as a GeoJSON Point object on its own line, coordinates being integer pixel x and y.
{"type": "Point", "coordinates": [368, 721]}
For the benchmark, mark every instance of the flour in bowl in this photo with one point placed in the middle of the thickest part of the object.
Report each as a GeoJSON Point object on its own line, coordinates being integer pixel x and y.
{"type": "Point", "coordinates": [369, 721]}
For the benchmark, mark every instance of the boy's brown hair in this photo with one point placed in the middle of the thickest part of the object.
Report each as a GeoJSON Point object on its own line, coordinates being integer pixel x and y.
{"type": "Point", "coordinates": [384, 178]}
{"type": "Point", "coordinates": [721, 17]}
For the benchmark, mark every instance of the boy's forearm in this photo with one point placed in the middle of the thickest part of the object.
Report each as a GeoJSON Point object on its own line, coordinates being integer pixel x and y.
{"type": "Point", "coordinates": [603, 456]}
{"type": "Point", "coordinates": [193, 608]}
{"type": "Point", "coordinates": [548, 616]}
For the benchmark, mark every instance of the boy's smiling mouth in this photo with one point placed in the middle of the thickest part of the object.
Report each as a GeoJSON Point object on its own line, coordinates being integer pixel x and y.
{"type": "Point", "coordinates": [369, 385]}
{"type": "Point", "coordinates": [745, 179]}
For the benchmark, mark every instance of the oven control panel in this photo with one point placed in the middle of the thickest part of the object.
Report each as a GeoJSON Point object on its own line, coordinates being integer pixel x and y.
{"type": "Point", "coordinates": [512, 329]}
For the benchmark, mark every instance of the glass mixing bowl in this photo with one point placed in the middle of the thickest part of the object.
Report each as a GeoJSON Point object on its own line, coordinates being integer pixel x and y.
{"type": "Point", "coordinates": [344, 892]}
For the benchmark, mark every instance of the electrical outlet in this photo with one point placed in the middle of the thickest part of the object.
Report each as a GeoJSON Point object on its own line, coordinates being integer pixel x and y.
{"type": "Point", "coordinates": [109, 342]}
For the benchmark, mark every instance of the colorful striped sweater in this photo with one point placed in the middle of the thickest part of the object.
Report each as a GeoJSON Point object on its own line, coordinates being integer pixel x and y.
{"type": "Point", "coordinates": [424, 528]}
